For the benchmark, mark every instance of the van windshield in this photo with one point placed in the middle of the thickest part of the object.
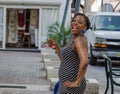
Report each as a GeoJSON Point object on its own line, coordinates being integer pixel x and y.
{"type": "Point", "coordinates": [110, 23]}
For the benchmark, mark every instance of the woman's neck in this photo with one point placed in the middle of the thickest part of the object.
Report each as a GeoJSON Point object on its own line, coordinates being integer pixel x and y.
{"type": "Point", "coordinates": [74, 36]}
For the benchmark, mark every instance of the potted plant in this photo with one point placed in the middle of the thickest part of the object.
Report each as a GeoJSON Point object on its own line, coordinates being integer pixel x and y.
{"type": "Point", "coordinates": [59, 33]}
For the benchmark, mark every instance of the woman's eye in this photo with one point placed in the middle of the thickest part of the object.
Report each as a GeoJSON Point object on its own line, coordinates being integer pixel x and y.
{"type": "Point", "coordinates": [77, 21]}
{"type": "Point", "coordinates": [73, 21]}
{"type": "Point", "coordinates": [80, 22]}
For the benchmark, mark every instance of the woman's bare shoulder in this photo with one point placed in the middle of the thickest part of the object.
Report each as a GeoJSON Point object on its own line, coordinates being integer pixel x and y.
{"type": "Point", "coordinates": [80, 40]}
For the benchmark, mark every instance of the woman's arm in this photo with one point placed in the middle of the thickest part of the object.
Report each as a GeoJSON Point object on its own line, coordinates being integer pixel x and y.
{"type": "Point", "coordinates": [57, 50]}
{"type": "Point", "coordinates": [55, 46]}
{"type": "Point", "coordinates": [81, 47]}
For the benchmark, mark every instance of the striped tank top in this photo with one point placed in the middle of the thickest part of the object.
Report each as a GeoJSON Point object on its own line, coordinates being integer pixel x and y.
{"type": "Point", "coordinates": [68, 71]}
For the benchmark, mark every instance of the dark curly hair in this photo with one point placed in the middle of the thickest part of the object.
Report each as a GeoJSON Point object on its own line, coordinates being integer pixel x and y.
{"type": "Point", "coordinates": [86, 18]}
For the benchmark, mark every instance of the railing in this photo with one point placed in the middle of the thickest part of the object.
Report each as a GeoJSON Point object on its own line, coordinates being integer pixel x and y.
{"type": "Point", "coordinates": [112, 74]}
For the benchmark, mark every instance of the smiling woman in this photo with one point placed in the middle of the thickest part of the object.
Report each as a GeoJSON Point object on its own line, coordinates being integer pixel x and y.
{"type": "Point", "coordinates": [74, 58]}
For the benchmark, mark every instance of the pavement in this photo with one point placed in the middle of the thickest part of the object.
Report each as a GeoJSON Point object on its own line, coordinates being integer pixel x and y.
{"type": "Point", "coordinates": [23, 73]}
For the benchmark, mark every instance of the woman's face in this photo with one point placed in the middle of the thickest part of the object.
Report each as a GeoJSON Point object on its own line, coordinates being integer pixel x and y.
{"type": "Point", "coordinates": [78, 24]}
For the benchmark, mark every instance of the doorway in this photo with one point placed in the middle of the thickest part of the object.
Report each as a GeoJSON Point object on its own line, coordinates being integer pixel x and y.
{"type": "Point", "coordinates": [22, 28]}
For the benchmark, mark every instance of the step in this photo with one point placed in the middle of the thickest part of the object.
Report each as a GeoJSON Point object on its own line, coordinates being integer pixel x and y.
{"type": "Point", "coordinates": [92, 86]}
{"type": "Point", "coordinates": [48, 50]}
{"type": "Point", "coordinates": [53, 82]}
{"type": "Point", "coordinates": [51, 63]}
{"type": "Point", "coordinates": [47, 55]}
{"type": "Point", "coordinates": [52, 72]}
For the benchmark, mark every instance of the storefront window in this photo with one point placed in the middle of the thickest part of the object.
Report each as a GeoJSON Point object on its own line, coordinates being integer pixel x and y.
{"type": "Point", "coordinates": [1, 26]}
{"type": "Point", "coordinates": [49, 16]}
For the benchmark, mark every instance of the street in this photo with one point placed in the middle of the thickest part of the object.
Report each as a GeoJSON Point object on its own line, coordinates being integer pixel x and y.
{"type": "Point", "coordinates": [98, 72]}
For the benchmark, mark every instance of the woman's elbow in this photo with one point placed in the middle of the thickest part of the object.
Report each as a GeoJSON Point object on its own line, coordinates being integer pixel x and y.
{"type": "Point", "coordinates": [85, 63]}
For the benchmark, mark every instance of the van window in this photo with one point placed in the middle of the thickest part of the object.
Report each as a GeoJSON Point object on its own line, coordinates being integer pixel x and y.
{"type": "Point", "coordinates": [110, 23]}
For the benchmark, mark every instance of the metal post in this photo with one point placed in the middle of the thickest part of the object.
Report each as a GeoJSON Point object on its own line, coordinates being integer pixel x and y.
{"type": "Point", "coordinates": [65, 12]}
{"type": "Point", "coordinates": [77, 6]}
{"type": "Point", "coordinates": [101, 4]}
{"type": "Point", "coordinates": [116, 6]}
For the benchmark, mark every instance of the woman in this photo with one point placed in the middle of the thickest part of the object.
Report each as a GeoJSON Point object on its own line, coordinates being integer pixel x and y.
{"type": "Point", "coordinates": [74, 58]}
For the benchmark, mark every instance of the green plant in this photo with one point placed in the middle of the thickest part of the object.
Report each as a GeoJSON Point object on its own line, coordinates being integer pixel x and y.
{"type": "Point", "coordinates": [59, 33]}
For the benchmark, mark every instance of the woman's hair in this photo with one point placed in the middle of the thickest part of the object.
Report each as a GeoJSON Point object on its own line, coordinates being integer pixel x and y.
{"type": "Point", "coordinates": [86, 18]}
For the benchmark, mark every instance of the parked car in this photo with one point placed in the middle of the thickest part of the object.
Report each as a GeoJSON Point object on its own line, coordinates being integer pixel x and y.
{"type": "Point", "coordinates": [104, 36]}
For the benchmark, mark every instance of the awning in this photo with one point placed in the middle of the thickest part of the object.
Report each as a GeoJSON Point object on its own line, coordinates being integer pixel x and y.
{"type": "Point", "coordinates": [29, 2]}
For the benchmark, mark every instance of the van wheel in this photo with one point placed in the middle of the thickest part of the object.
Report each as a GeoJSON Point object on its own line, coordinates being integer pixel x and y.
{"type": "Point", "coordinates": [93, 59]}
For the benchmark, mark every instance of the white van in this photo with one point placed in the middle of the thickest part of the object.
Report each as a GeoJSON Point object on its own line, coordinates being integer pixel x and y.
{"type": "Point", "coordinates": [104, 36]}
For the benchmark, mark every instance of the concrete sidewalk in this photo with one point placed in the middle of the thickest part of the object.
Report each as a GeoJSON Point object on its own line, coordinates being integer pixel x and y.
{"type": "Point", "coordinates": [23, 73]}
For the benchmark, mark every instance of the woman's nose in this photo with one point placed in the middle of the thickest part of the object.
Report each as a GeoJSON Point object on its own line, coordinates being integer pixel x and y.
{"type": "Point", "coordinates": [76, 22]}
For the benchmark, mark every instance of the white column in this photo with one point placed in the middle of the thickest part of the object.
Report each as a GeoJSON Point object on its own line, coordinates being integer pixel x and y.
{"type": "Point", "coordinates": [87, 8]}
{"type": "Point", "coordinates": [4, 27]}
{"type": "Point", "coordinates": [39, 29]}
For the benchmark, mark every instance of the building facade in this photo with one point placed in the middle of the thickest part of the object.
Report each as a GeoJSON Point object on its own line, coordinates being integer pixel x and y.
{"type": "Point", "coordinates": [20, 18]}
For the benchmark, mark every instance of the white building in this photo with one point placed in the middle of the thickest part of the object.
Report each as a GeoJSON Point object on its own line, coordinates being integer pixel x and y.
{"type": "Point", "coordinates": [33, 16]}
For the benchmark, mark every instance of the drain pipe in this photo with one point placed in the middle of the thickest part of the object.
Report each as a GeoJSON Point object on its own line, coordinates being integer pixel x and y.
{"type": "Point", "coordinates": [65, 12]}
{"type": "Point", "coordinates": [77, 6]}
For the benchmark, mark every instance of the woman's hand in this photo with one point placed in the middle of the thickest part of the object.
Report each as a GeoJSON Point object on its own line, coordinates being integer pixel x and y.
{"type": "Point", "coordinates": [70, 84]}
{"type": "Point", "coordinates": [52, 43]}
